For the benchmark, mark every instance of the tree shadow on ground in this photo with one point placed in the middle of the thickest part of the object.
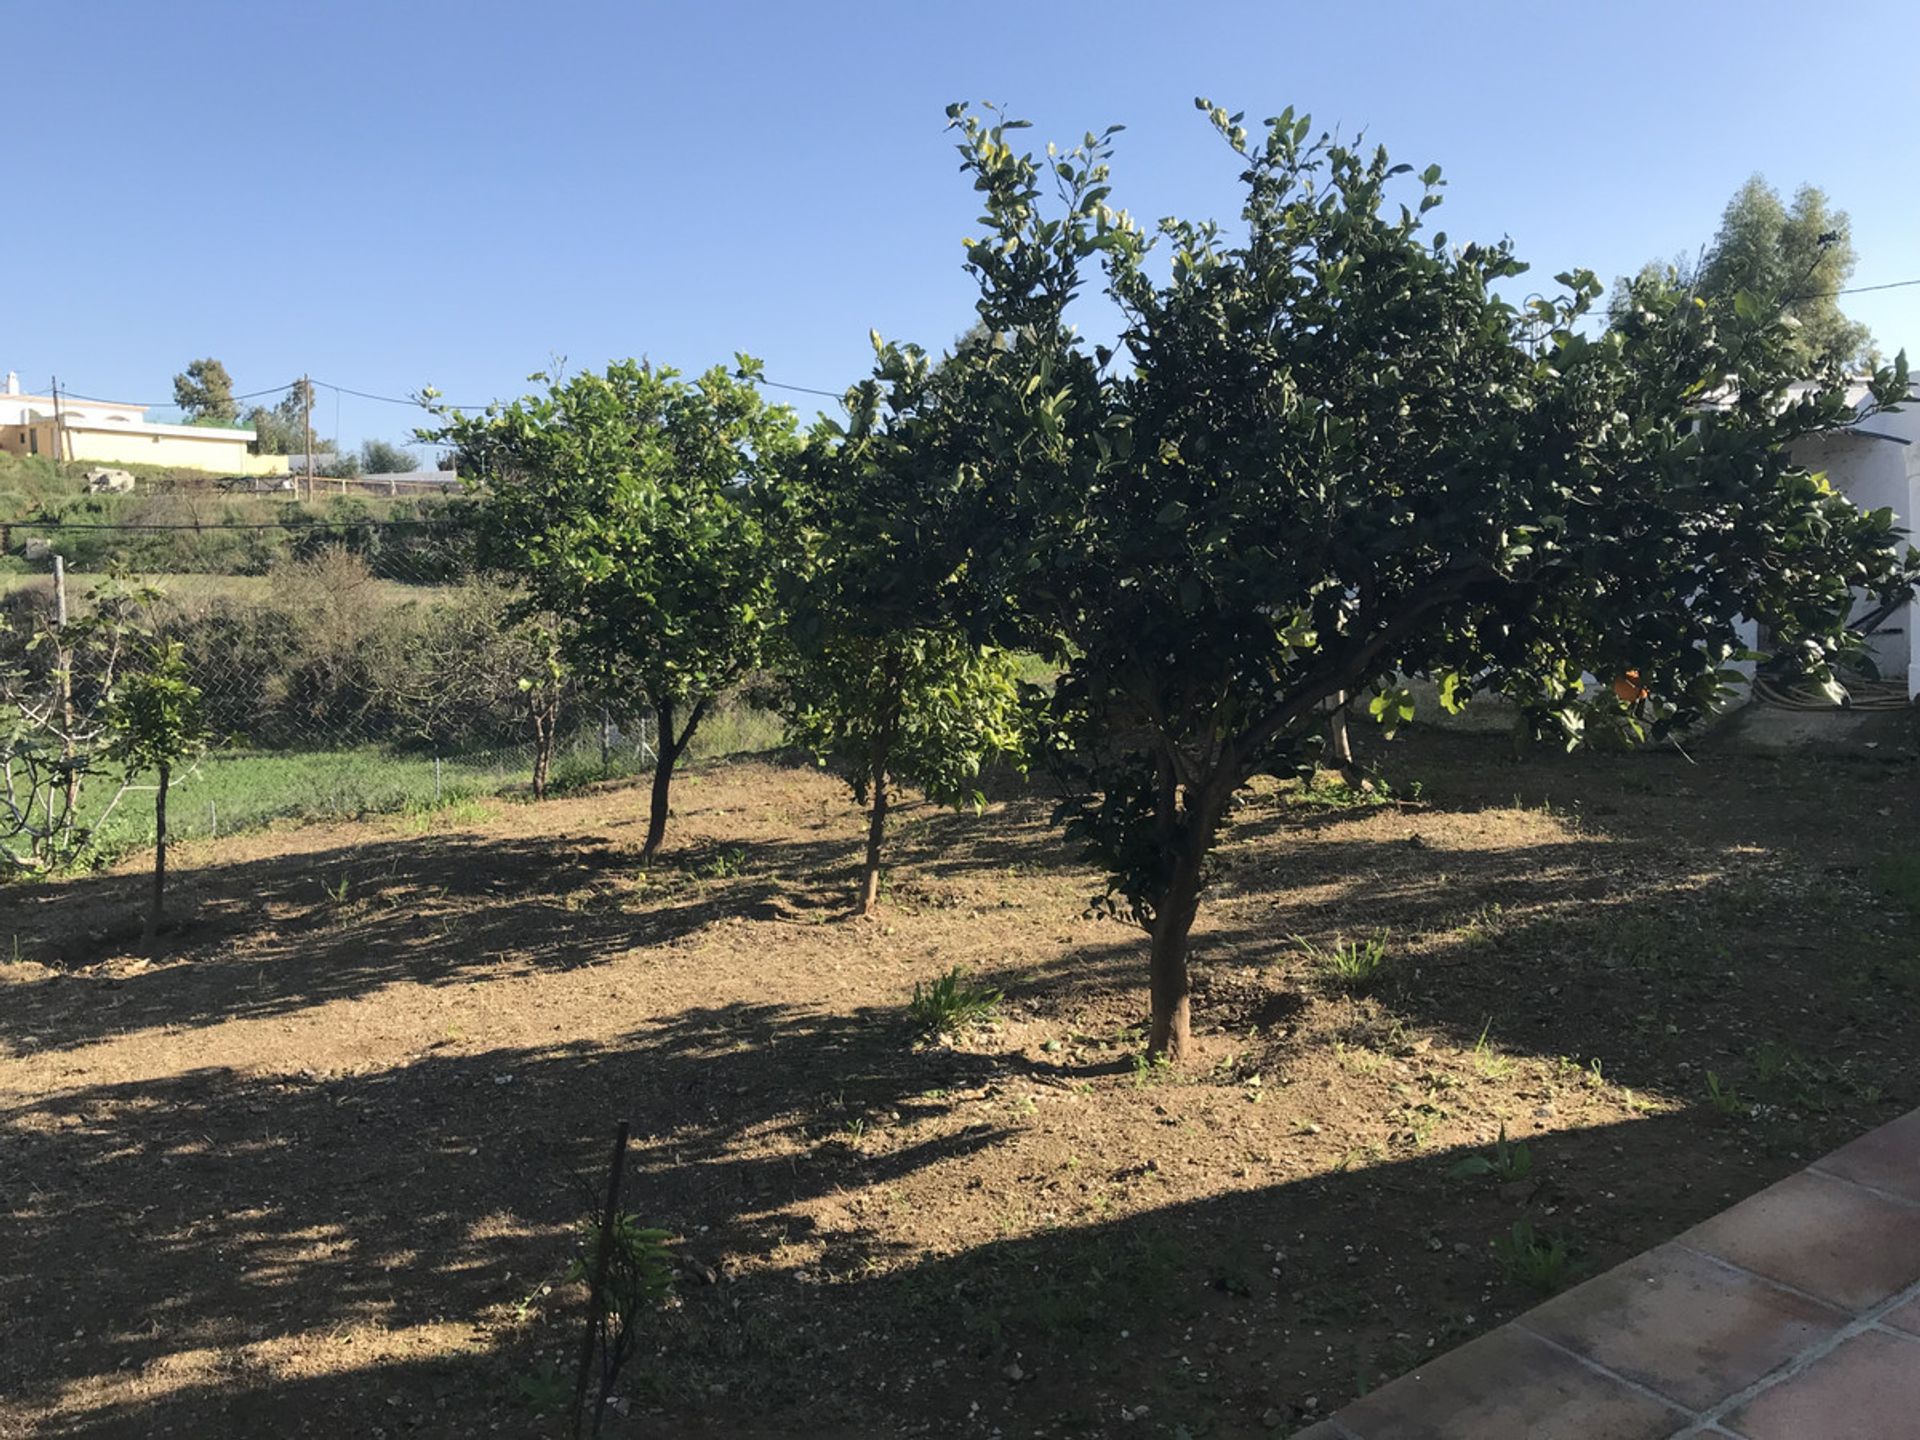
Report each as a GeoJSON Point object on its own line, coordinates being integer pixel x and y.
{"type": "Point", "coordinates": [213, 1211]}
{"type": "Point", "coordinates": [346, 921]}
{"type": "Point", "coordinates": [210, 1227]}
{"type": "Point", "coordinates": [1731, 960]}
{"type": "Point", "coordinates": [198, 1229]}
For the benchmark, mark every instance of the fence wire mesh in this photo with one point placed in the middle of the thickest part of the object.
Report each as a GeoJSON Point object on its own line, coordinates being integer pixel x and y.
{"type": "Point", "coordinates": [348, 667]}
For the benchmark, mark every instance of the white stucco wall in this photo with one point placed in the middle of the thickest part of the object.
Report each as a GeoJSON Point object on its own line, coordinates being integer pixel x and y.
{"type": "Point", "coordinates": [1877, 465]}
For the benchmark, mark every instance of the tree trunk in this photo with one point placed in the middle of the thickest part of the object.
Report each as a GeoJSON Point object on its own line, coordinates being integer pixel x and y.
{"type": "Point", "coordinates": [876, 779]}
{"type": "Point", "coordinates": [1339, 743]}
{"type": "Point", "coordinates": [876, 836]}
{"type": "Point", "coordinates": [152, 930]}
{"type": "Point", "coordinates": [1171, 1034]}
{"type": "Point", "coordinates": [662, 791]}
{"type": "Point", "coordinates": [668, 748]}
{"type": "Point", "coordinates": [546, 731]}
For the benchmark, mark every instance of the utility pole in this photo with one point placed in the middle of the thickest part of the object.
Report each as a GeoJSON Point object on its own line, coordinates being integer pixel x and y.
{"type": "Point", "coordinates": [306, 390]}
{"type": "Point", "coordinates": [63, 662]}
{"type": "Point", "coordinates": [58, 426]}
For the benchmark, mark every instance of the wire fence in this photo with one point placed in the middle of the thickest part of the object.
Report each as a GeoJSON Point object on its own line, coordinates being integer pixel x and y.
{"type": "Point", "coordinates": [347, 667]}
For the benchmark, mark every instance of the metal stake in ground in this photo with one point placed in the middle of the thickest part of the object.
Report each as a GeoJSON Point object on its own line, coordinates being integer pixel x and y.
{"type": "Point", "coordinates": [596, 1307]}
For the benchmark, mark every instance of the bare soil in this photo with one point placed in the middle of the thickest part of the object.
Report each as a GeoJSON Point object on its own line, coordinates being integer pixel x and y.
{"type": "Point", "coordinates": [317, 1169]}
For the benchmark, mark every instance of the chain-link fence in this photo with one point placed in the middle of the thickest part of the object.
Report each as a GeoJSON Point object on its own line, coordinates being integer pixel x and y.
{"type": "Point", "coordinates": [348, 667]}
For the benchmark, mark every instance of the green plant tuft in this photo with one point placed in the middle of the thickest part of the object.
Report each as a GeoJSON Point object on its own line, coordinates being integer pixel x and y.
{"type": "Point", "coordinates": [1352, 965]}
{"type": "Point", "coordinates": [1540, 1263]}
{"type": "Point", "coordinates": [1510, 1160]}
{"type": "Point", "coordinates": [951, 1006]}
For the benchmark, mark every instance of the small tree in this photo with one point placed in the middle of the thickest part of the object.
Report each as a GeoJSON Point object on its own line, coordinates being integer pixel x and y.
{"type": "Point", "coordinates": [156, 722]}
{"type": "Point", "coordinates": [282, 430]}
{"type": "Point", "coordinates": [887, 671]}
{"type": "Point", "coordinates": [544, 686]}
{"type": "Point", "coordinates": [205, 391]}
{"type": "Point", "coordinates": [1330, 463]}
{"type": "Point", "coordinates": [627, 505]}
{"type": "Point", "coordinates": [927, 707]}
{"type": "Point", "coordinates": [382, 457]}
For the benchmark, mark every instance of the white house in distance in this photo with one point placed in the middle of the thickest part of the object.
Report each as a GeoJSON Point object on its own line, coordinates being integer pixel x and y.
{"type": "Point", "coordinates": [1876, 464]}
{"type": "Point", "coordinates": [117, 434]}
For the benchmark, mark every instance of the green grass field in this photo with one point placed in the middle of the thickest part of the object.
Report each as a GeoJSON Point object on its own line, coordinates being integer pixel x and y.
{"type": "Point", "coordinates": [232, 790]}
{"type": "Point", "coordinates": [185, 591]}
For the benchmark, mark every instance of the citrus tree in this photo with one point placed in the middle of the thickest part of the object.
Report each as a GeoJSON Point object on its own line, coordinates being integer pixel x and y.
{"type": "Point", "coordinates": [624, 503]}
{"type": "Point", "coordinates": [1318, 458]}
{"type": "Point", "coordinates": [888, 664]}
{"type": "Point", "coordinates": [155, 722]}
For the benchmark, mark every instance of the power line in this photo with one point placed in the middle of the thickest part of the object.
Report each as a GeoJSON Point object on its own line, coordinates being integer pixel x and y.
{"type": "Point", "coordinates": [414, 401]}
{"type": "Point", "coordinates": [807, 390]}
{"type": "Point", "coordinates": [1856, 290]}
{"type": "Point", "coordinates": [417, 403]}
{"type": "Point", "coordinates": [166, 404]}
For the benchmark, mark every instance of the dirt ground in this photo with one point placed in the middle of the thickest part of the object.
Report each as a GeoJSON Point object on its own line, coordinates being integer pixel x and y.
{"type": "Point", "coordinates": [317, 1170]}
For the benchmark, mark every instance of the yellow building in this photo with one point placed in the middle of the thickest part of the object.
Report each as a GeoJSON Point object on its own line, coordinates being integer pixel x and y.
{"type": "Point", "coordinates": [117, 434]}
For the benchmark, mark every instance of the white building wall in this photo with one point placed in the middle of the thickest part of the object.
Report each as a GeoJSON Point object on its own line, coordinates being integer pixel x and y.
{"type": "Point", "coordinates": [1877, 466]}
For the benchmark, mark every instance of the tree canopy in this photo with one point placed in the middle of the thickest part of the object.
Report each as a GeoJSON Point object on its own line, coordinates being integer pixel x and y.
{"type": "Point", "coordinates": [205, 391]}
{"type": "Point", "coordinates": [1792, 262]}
{"type": "Point", "coordinates": [889, 666]}
{"type": "Point", "coordinates": [1319, 460]}
{"type": "Point", "coordinates": [281, 429]}
{"type": "Point", "coordinates": [383, 457]}
{"type": "Point", "coordinates": [155, 721]}
{"type": "Point", "coordinates": [626, 502]}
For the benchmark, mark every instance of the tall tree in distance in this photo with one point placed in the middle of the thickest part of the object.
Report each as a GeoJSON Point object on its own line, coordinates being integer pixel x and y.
{"type": "Point", "coordinates": [1790, 261]}
{"type": "Point", "coordinates": [205, 391]}
{"type": "Point", "coordinates": [383, 457]}
{"type": "Point", "coordinates": [1795, 258]}
{"type": "Point", "coordinates": [282, 429]}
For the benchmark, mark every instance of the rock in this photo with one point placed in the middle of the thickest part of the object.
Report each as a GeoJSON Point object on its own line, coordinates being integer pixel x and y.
{"type": "Point", "coordinates": [1014, 1373]}
{"type": "Point", "coordinates": [1274, 1418]}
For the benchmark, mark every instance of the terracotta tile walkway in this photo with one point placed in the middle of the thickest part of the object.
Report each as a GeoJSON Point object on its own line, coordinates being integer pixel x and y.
{"type": "Point", "coordinates": [1793, 1316]}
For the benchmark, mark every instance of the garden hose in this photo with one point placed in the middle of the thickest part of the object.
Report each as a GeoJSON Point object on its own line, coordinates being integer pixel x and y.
{"type": "Point", "coordinates": [1864, 695]}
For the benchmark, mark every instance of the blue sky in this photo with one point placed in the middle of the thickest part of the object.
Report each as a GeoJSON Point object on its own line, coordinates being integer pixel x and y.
{"type": "Point", "coordinates": [392, 194]}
